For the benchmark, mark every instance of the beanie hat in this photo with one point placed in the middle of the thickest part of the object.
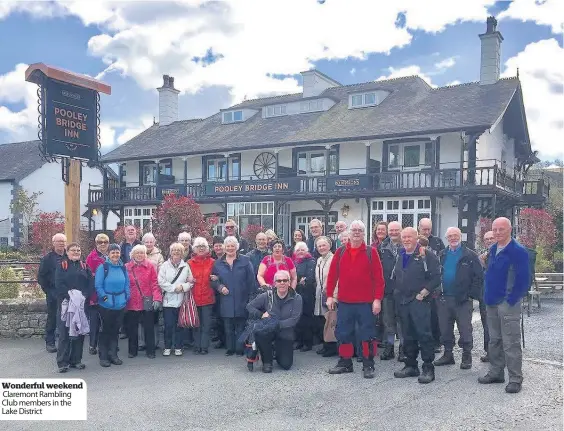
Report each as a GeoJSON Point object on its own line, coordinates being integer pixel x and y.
{"type": "Point", "coordinates": [217, 240]}
{"type": "Point", "coordinates": [113, 247]}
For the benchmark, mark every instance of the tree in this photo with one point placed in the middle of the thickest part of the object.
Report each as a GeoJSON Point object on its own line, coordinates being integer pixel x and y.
{"type": "Point", "coordinates": [250, 233]}
{"type": "Point", "coordinates": [537, 231]}
{"type": "Point", "coordinates": [485, 225]}
{"type": "Point", "coordinates": [25, 205]}
{"type": "Point", "coordinates": [177, 214]}
{"type": "Point", "coordinates": [44, 227]}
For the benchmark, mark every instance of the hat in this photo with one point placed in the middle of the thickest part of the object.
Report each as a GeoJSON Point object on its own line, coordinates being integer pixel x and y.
{"type": "Point", "coordinates": [113, 247]}
{"type": "Point", "coordinates": [217, 240]}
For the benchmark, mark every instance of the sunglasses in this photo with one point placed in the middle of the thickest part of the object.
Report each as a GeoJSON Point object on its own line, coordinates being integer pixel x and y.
{"type": "Point", "coordinates": [284, 280]}
{"type": "Point", "coordinates": [102, 242]}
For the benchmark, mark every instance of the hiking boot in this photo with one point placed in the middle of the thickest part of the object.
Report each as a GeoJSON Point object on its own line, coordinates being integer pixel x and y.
{"type": "Point", "coordinates": [79, 366]}
{"type": "Point", "coordinates": [93, 350]}
{"type": "Point", "coordinates": [401, 355]}
{"type": "Point", "coordinates": [388, 353]}
{"type": "Point", "coordinates": [446, 359]}
{"type": "Point", "coordinates": [428, 374]}
{"type": "Point", "coordinates": [131, 355]}
{"type": "Point", "coordinates": [204, 352]}
{"type": "Point", "coordinates": [343, 366]}
{"type": "Point", "coordinates": [230, 353]}
{"type": "Point", "coordinates": [513, 387]}
{"type": "Point", "coordinates": [368, 369]}
{"type": "Point", "coordinates": [250, 366]}
{"type": "Point", "coordinates": [51, 348]}
{"type": "Point", "coordinates": [488, 378]}
{"type": "Point", "coordinates": [321, 351]}
{"type": "Point", "coordinates": [407, 371]}
{"type": "Point", "coordinates": [466, 363]}
{"type": "Point", "coordinates": [63, 369]}
{"type": "Point", "coordinates": [298, 346]}
{"type": "Point", "coordinates": [116, 361]}
{"type": "Point", "coordinates": [142, 348]}
{"type": "Point", "coordinates": [485, 358]}
{"type": "Point", "coordinates": [151, 355]}
{"type": "Point", "coordinates": [329, 353]}
{"type": "Point", "coordinates": [105, 363]}
{"type": "Point", "coordinates": [359, 359]}
{"type": "Point", "coordinates": [267, 368]}
{"type": "Point", "coordinates": [305, 349]}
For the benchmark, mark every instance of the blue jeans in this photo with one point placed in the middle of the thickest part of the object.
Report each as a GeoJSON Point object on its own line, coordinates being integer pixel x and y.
{"type": "Point", "coordinates": [171, 327]}
{"type": "Point", "coordinates": [353, 318]}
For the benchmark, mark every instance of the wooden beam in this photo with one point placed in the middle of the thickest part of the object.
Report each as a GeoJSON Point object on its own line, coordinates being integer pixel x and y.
{"type": "Point", "coordinates": [72, 202]}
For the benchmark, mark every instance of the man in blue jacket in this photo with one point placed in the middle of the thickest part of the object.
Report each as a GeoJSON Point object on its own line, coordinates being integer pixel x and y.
{"type": "Point", "coordinates": [506, 282]}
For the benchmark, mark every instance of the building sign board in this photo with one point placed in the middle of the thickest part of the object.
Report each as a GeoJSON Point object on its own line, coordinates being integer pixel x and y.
{"type": "Point", "coordinates": [360, 182]}
{"type": "Point", "coordinates": [241, 188]}
{"type": "Point", "coordinates": [70, 123]}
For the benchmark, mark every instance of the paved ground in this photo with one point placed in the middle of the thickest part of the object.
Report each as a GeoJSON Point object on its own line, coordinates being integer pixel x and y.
{"type": "Point", "coordinates": [218, 393]}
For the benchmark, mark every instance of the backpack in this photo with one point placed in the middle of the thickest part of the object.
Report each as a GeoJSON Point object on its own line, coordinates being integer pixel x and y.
{"type": "Point", "coordinates": [341, 251]}
{"type": "Point", "coordinates": [107, 269]}
{"type": "Point", "coordinates": [65, 265]}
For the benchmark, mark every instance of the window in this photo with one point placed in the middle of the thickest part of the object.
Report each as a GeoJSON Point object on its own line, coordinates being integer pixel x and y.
{"type": "Point", "coordinates": [256, 213]}
{"type": "Point", "coordinates": [370, 99]}
{"type": "Point", "coordinates": [216, 168]}
{"type": "Point", "coordinates": [274, 111]}
{"type": "Point", "coordinates": [313, 162]}
{"type": "Point", "coordinates": [141, 217]}
{"type": "Point", "coordinates": [366, 99]}
{"type": "Point", "coordinates": [407, 211]}
{"type": "Point", "coordinates": [232, 116]}
{"type": "Point", "coordinates": [429, 154]}
{"type": "Point", "coordinates": [148, 171]}
{"type": "Point", "coordinates": [411, 154]}
{"type": "Point", "coordinates": [393, 156]}
{"type": "Point", "coordinates": [357, 100]}
{"type": "Point", "coordinates": [311, 106]}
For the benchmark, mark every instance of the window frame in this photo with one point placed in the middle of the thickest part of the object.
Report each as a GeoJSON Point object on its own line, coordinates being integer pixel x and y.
{"type": "Point", "coordinates": [216, 159]}
{"type": "Point", "coordinates": [425, 149]}
{"type": "Point", "coordinates": [229, 117]}
{"type": "Point", "coordinates": [308, 153]}
{"type": "Point", "coordinates": [157, 169]}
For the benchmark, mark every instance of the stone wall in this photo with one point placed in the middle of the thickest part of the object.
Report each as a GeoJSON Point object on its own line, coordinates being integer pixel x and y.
{"type": "Point", "coordinates": [22, 318]}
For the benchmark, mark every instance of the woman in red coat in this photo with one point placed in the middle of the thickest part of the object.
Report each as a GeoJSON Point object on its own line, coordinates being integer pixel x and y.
{"type": "Point", "coordinates": [96, 258]}
{"type": "Point", "coordinates": [201, 265]}
{"type": "Point", "coordinates": [142, 284]}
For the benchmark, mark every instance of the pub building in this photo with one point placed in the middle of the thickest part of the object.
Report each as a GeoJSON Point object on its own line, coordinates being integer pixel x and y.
{"type": "Point", "coordinates": [393, 149]}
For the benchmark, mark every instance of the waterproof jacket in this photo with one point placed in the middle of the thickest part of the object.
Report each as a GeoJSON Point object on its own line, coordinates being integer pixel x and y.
{"type": "Point", "coordinates": [287, 310]}
{"type": "Point", "coordinates": [112, 289]}
{"type": "Point", "coordinates": [469, 276]}
{"type": "Point", "coordinates": [73, 274]}
{"type": "Point", "coordinates": [436, 244]}
{"type": "Point", "coordinates": [306, 268]}
{"type": "Point", "coordinates": [256, 256]}
{"type": "Point", "coordinates": [167, 274]}
{"type": "Point", "coordinates": [201, 268]}
{"type": "Point", "coordinates": [156, 258]}
{"type": "Point", "coordinates": [46, 273]}
{"type": "Point", "coordinates": [239, 280]}
{"type": "Point", "coordinates": [94, 260]}
{"type": "Point", "coordinates": [388, 255]}
{"type": "Point", "coordinates": [411, 280]}
{"type": "Point", "coordinates": [508, 275]}
{"type": "Point", "coordinates": [142, 277]}
{"type": "Point", "coordinates": [125, 256]}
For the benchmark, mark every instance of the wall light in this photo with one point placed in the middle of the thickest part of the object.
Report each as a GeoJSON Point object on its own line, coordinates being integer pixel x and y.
{"type": "Point", "coordinates": [345, 210]}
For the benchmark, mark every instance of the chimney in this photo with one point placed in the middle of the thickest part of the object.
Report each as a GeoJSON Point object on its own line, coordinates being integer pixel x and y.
{"type": "Point", "coordinates": [315, 83]}
{"type": "Point", "coordinates": [168, 101]}
{"type": "Point", "coordinates": [490, 64]}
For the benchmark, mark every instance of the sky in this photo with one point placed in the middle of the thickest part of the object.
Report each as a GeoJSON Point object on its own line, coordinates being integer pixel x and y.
{"type": "Point", "coordinates": [221, 52]}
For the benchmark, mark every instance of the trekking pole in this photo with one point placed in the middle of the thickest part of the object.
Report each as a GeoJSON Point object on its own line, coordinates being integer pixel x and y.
{"type": "Point", "coordinates": [522, 325]}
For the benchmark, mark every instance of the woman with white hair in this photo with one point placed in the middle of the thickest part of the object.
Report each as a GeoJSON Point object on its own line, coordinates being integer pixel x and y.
{"type": "Point", "coordinates": [236, 285]}
{"type": "Point", "coordinates": [305, 272]}
{"type": "Point", "coordinates": [201, 265]}
{"type": "Point", "coordinates": [145, 298]}
{"type": "Point", "coordinates": [153, 252]}
{"type": "Point", "coordinates": [175, 278]}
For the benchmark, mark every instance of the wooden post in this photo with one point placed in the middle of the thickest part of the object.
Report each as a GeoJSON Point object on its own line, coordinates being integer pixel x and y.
{"type": "Point", "coordinates": [72, 202]}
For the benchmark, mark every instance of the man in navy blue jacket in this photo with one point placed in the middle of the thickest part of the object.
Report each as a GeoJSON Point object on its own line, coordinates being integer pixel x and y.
{"type": "Point", "coordinates": [507, 280]}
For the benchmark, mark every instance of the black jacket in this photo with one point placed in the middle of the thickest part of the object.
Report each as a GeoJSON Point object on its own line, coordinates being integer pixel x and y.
{"type": "Point", "coordinates": [469, 277]}
{"type": "Point", "coordinates": [306, 268]}
{"type": "Point", "coordinates": [256, 256]}
{"type": "Point", "coordinates": [46, 272]}
{"type": "Point", "coordinates": [287, 310]}
{"type": "Point", "coordinates": [388, 259]}
{"type": "Point", "coordinates": [77, 275]}
{"type": "Point", "coordinates": [411, 280]}
{"type": "Point", "coordinates": [436, 244]}
{"type": "Point", "coordinates": [125, 256]}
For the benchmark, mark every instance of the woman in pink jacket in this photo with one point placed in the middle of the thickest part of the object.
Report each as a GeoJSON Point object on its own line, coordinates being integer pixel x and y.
{"type": "Point", "coordinates": [146, 298]}
{"type": "Point", "coordinates": [96, 258]}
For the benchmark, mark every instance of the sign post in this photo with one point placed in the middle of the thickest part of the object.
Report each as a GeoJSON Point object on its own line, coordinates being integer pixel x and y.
{"type": "Point", "coordinates": [68, 129]}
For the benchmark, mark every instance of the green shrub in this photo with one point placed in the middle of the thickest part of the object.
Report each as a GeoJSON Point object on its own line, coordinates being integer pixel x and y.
{"type": "Point", "coordinates": [543, 264]}
{"type": "Point", "coordinates": [8, 290]}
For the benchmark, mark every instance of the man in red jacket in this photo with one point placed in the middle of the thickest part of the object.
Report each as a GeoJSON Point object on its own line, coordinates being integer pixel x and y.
{"type": "Point", "coordinates": [358, 270]}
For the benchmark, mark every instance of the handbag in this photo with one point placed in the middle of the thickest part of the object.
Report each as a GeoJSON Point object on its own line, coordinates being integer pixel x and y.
{"type": "Point", "coordinates": [147, 300]}
{"type": "Point", "coordinates": [329, 328]}
{"type": "Point", "coordinates": [188, 313]}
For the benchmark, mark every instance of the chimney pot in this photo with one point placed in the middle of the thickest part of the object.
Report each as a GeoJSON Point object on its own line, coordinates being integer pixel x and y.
{"type": "Point", "coordinates": [491, 25]}
{"type": "Point", "coordinates": [490, 62]}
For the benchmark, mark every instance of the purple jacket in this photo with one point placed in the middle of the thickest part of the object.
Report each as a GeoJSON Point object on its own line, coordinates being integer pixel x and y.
{"type": "Point", "coordinates": [72, 313]}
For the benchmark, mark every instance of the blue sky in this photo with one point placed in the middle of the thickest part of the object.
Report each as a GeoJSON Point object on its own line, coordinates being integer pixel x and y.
{"type": "Point", "coordinates": [130, 45]}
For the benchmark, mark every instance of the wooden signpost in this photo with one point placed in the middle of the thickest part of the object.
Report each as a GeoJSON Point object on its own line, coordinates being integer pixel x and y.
{"type": "Point", "coordinates": [68, 128]}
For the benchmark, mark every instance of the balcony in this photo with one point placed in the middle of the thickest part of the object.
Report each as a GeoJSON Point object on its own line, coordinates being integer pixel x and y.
{"type": "Point", "coordinates": [447, 178]}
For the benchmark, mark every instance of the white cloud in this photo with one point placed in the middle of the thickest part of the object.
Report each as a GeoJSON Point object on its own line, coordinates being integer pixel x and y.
{"type": "Point", "coordinates": [541, 71]}
{"type": "Point", "coordinates": [131, 132]}
{"type": "Point", "coordinates": [446, 63]}
{"type": "Point", "coordinates": [406, 71]}
{"type": "Point", "coordinates": [107, 135]}
{"type": "Point", "coordinates": [455, 82]}
{"type": "Point", "coordinates": [353, 71]}
{"type": "Point", "coordinates": [544, 12]}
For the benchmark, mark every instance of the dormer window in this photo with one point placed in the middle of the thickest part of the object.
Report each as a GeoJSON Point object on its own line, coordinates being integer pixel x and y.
{"type": "Point", "coordinates": [232, 117]}
{"type": "Point", "coordinates": [372, 98]}
{"type": "Point", "coordinates": [275, 111]}
{"type": "Point", "coordinates": [311, 106]}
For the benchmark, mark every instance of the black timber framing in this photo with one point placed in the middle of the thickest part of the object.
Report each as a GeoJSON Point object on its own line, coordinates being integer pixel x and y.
{"type": "Point", "coordinates": [326, 206]}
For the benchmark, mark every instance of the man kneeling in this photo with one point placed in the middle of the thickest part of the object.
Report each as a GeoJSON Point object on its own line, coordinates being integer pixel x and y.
{"type": "Point", "coordinates": [284, 305]}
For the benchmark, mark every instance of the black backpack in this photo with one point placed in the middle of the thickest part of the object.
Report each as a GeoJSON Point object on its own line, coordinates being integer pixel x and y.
{"type": "Point", "coordinates": [107, 269]}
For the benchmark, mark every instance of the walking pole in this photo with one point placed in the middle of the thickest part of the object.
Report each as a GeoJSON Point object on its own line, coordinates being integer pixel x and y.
{"type": "Point", "coordinates": [522, 324]}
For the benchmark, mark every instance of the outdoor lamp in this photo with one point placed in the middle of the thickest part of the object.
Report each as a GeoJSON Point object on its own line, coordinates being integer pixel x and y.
{"type": "Point", "coordinates": [345, 210]}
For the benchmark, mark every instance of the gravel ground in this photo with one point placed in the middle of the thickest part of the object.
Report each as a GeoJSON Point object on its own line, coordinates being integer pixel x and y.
{"type": "Point", "coordinates": [218, 393]}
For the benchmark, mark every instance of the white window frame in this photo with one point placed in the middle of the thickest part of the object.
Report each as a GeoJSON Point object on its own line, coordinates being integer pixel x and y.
{"type": "Point", "coordinates": [308, 163]}
{"type": "Point", "coordinates": [417, 210]}
{"type": "Point", "coordinates": [401, 162]}
{"type": "Point", "coordinates": [229, 117]}
{"type": "Point", "coordinates": [139, 214]}
{"type": "Point", "coordinates": [311, 106]}
{"type": "Point", "coordinates": [275, 110]}
{"type": "Point", "coordinates": [364, 100]}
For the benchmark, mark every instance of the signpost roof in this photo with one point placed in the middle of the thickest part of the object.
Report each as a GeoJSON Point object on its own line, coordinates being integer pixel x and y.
{"type": "Point", "coordinates": [32, 74]}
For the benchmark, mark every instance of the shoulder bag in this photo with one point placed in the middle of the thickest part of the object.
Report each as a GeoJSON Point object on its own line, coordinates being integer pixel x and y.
{"type": "Point", "coordinates": [147, 300]}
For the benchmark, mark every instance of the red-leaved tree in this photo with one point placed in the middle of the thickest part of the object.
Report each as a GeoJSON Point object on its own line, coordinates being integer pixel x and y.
{"type": "Point", "coordinates": [485, 225]}
{"type": "Point", "coordinates": [44, 227]}
{"type": "Point", "coordinates": [177, 214]}
{"type": "Point", "coordinates": [537, 230]}
{"type": "Point", "coordinates": [250, 233]}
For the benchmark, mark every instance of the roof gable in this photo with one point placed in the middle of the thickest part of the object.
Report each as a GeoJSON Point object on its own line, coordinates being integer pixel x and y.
{"type": "Point", "coordinates": [19, 159]}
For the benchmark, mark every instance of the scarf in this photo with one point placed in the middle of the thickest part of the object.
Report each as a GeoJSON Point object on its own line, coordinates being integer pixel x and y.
{"type": "Point", "coordinates": [298, 260]}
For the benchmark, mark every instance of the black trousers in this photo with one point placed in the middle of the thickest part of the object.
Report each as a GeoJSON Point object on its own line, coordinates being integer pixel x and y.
{"type": "Point", "coordinates": [484, 319]}
{"type": "Point", "coordinates": [417, 336]}
{"type": "Point", "coordinates": [94, 319]}
{"type": "Point", "coordinates": [69, 350]}
{"type": "Point", "coordinates": [304, 330]}
{"type": "Point", "coordinates": [435, 325]}
{"type": "Point", "coordinates": [147, 320]}
{"type": "Point", "coordinates": [51, 323]}
{"type": "Point", "coordinates": [284, 350]}
{"type": "Point", "coordinates": [234, 327]}
{"type": "Point", "coordinates": [109, 333]}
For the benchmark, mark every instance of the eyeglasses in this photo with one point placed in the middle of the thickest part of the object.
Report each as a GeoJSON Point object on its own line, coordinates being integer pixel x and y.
{"type": "Point", "coordinates": [357, 230]}
{"type": "Point", "coordinates": [229, 227]}
{"type": "Point", "coordinates": [200, 246]}
{"type": "Point", "coordinates": [102, 242]}
{"type": "Point", "coordinates": [284, 280]}
{"type": "Point", "coordinates": [74, 250]}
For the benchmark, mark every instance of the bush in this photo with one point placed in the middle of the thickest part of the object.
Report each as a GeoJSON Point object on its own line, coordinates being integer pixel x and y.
{"type": "Point", "coordinates": [8, 290]}
{"type": "Point", "coordinates": [543, 264]}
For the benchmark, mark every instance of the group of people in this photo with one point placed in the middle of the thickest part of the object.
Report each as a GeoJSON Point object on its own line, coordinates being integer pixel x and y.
{"type": "Point", "coordinates": [273, 299]}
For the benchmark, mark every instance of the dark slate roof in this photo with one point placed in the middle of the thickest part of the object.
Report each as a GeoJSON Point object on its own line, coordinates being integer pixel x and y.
{"type": "Point", "coordinates": [411, 108]}
{"type": "Point", "coordinates": [19, 159]}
